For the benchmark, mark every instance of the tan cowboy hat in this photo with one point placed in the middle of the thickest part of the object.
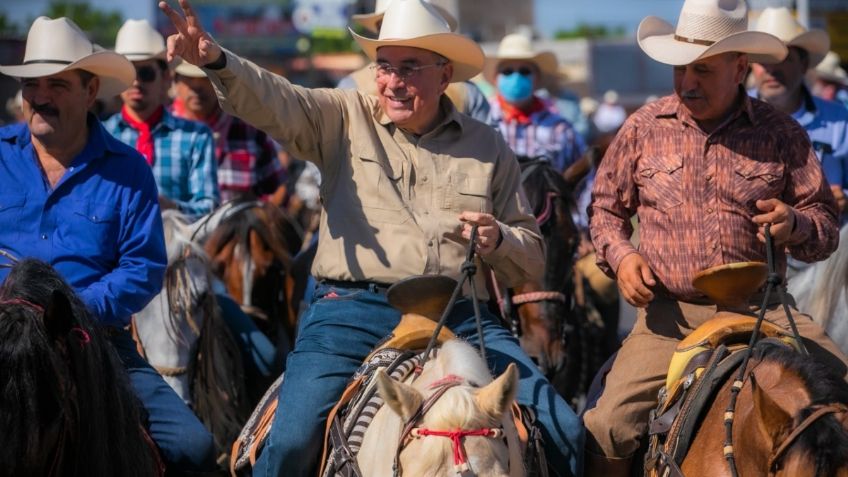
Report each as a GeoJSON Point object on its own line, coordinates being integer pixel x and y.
{"type": "Point", "coordinates": [139, 41]}
{"type": "Point", "coordinates": [448, 9]}
{"type": "Point", "coordinates": [417, 24]}
{"type": "Point", "coordinates": [518, 47]}
{"type": "Point", "coordinates": [780, 23]}
{"type": "Point", "coordinates": [188, 70]}
{"type": "Point", "coordinates": [59, 45]}
{"type": "Point", "coordinates": [829, 69]}
{"type": "Point", "coordinates": [707, 28]}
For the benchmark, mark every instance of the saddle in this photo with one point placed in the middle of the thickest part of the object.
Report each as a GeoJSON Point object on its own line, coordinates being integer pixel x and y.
{"type": "Point", "coordinates": [702, 362]}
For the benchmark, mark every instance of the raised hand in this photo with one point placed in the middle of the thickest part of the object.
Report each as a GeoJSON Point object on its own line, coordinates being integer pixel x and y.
{"type": "Point", "coordinates": [191, 42]}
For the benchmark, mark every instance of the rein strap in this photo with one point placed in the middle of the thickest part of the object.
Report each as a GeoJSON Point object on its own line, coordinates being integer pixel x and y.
{"type": "Point", "coordinates": [822, 411]}
{"type": "Point", "coordinates": [460, 461]}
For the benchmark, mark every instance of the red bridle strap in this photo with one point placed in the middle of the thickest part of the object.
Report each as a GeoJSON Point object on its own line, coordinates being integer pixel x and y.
{"type": "Point", "coordinates": [459, 459]}
{"type": "Point", "coordinates": [21, 301]}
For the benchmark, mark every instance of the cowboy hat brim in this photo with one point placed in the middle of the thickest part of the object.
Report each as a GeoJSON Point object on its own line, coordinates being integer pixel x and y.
{"type": "Point", "coordinates": [815, 42]}
{"type": "Point", "coordinates": [465, 54]}
{"type": "Point", "coordinates": [369, 21]}
{"type": "Point", "coordinates": [545, 61]}
{"type": "Point", "coordinates": [116, 73]}
{"type": "Point", "coordinates": [656, 39]}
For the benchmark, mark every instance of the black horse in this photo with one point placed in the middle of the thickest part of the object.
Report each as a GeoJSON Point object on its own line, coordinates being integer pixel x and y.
{"type": "Point", "coordinates": [66, 405]}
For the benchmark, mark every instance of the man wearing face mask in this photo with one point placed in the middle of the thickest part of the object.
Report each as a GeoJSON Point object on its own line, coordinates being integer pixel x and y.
{"type": "Point", "coordinates": [524, 120]}
{"type": "Point", "coordinates": [179, 151]}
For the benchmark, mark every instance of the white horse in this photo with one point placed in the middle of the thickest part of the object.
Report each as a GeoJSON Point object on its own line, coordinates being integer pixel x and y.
{"type": "Point", "coordinates": [461, 433]}
{"type": "Point", "coordinates": [821, 290]}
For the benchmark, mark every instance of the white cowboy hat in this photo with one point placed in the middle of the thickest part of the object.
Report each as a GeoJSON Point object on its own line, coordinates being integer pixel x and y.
{"type": "Point", "coordinates": [59, 45]}
{"type": "Point", "coordinates": [780, 23]}
{"type": "Point", "coordinates": [417, 24]}
{"type": "Point", "coordinates": [829, 70]}
{"type": "Point", "coordinates": [139, 41]}
{"type": "Point", "coordinates": [707, 28]}
{"type": "Point", "coordinates": [188, 70]}
{"type": "Point", "coordinates": [518, 47]}
{"type": "Point", "coordinates": [448, 9]}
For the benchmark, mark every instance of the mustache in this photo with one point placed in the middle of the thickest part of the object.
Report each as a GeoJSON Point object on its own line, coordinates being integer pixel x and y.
{"type": "Point", "coordinates": [45, 110]}
{"type": "Point", "coordinates": [691, 95]}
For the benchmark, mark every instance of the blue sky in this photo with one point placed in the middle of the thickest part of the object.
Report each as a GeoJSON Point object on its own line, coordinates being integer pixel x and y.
{"type": "Point", "coordinates": [552, 15]}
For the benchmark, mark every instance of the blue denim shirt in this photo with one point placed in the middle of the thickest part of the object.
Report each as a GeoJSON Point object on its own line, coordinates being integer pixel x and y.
{"type": "Point", "coordinates": [827, 124]}
{"type": "Point", "coordinates": [100, 227]}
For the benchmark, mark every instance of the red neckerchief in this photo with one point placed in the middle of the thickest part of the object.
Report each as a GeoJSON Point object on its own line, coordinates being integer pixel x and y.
{"type": "Point", "coordinates": [511, 113]}
{"type": "Point", "coordinates": [144, 144]}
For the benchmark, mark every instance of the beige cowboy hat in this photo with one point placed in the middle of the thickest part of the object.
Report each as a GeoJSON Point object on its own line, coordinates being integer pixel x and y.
{"type": "Point", "coordinates": [707, 28]}
{"type": "Point", "coordinates": [417, 24]}
{"type": "Point", "coordinates": [54, 46]}
{"type": "Point", "coordinates": [139, 41]}
{"type": "Point", "coordinates": [188, 70]}
{"type": "Point", "coordinates": [448, 9]}
{"type": "Point", "coordinates": [518, 47]}
{"type": "Point", "coordinates": [780, 23]}
{"type": "Point", "coordinates": [829, 70]}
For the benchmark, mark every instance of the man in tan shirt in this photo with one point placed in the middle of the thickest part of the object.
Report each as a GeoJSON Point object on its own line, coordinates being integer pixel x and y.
{"type": "Point", "coordinates": [705, 169]}
{"type": "Point", "coordinates": [405, 176]}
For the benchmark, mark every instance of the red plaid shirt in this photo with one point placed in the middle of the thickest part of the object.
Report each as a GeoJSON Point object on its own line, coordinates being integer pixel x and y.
{"type": "Point", "coordinates": [695, 193]}
{"type": "Point", "coordinates": [247, 157]}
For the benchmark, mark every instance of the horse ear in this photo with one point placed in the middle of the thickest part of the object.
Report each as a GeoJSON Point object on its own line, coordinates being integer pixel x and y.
{"type": "Point", "coordinates": [496, 397]}
{"type": "Point", "coordinates": [58, 316]}
{"type": "Point", "coordinates": [771, 417]}
{"type": "Point", "coordinates": [403, 399]}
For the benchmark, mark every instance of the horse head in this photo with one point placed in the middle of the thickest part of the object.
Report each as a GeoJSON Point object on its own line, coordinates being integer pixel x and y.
{"type": "Point", "coordinates": [64, 396]}
{"type": "Point", "coordinates": [447, 421]}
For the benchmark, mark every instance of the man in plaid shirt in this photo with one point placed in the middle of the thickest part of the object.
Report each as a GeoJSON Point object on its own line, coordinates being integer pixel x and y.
{"type": "Point", "coordinates": [247, 158]}
{"type": "Point", "coordinates": [179, 151]}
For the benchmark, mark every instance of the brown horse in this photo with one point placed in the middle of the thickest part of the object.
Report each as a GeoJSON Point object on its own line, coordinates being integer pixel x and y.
{"type": "Point", "coordinates": [790, 419]}
{"type": "Point", "coordinates": [251, 249]}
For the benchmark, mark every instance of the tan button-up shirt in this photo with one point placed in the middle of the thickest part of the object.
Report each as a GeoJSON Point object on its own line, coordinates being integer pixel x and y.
{"type": "Point", "coordinates": [695, 193]}
{"type": "Point", "coordinates": [391, 199]}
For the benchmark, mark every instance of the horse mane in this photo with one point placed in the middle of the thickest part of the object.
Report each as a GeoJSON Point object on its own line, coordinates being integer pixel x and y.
{"type": "Point", "coordinates": [63, 368]}
{"type": "Point", "coordinates": [825, 440]}
{"type": "Point", "coordinates": [178, 232]}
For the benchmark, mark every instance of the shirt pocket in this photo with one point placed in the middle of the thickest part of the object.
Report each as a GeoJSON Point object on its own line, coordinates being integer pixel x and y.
{"type": "Point", "coordinates": [11, 209]}
{"type": "Point", "coordinates": [468, 193]}
{"type": "Point", "coordinates": [662, 181]}
{"type": "Point", "coordinates": [379, 189]}
{"type": "Point", "coordinates": [755, 180]}
{"type": "Point", "coordinates": [91, 229]}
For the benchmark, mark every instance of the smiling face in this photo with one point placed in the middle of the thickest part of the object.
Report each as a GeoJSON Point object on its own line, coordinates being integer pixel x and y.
{"type": "Point", "coordinates": [411, 102]}
{"type": "Point", "coordinates": [55, 107]}
{"type": "Point", "coordinates": [709, 87]}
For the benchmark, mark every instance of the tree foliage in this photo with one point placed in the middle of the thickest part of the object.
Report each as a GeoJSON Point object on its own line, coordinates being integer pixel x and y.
{"type": "Point", "coordinates": [583, 30]}
{"type": "Point", "coordinates": [101, 26]}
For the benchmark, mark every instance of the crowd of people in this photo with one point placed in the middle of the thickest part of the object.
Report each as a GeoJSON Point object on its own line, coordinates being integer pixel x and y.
{"type": "Point", "coordinates": [404, 158]}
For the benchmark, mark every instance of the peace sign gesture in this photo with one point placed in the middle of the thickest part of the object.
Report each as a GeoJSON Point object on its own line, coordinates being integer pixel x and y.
{"type": "Point", "coordinates": [191, 42]}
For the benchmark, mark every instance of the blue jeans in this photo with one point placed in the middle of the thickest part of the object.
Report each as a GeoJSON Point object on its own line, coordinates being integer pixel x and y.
{"type": "Point", "coordinates": [337, 333]}
{"type": "Point", "coordinates": [183, 441]}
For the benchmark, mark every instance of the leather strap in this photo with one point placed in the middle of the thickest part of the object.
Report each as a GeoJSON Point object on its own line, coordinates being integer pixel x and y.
{"type": "Point", "coordinates": [822, 411]}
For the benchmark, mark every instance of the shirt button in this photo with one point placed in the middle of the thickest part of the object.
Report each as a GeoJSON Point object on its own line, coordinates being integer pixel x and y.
{"type": "Point", "coordinates": [424, 179]}
{"type": "Point", "coordinates": [430, 243]}
{"type": "Point", "coordinates": [709, 210]}
{"type": "Point", "coordinates": [43, 236]}
{"type": "Point", "coordinates": [709, 177]}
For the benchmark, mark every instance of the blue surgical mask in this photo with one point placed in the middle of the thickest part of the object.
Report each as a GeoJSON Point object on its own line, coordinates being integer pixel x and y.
{"type": "Point", "coordinates": [516, 87]}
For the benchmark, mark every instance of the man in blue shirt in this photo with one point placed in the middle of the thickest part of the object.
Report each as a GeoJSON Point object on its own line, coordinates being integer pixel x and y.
{"type": "Point", "coordinates": [180, 152]}
{"type": "Point", "coordinates": [782, 86]}
{"type": "Point", "coordinates": [75, 197]}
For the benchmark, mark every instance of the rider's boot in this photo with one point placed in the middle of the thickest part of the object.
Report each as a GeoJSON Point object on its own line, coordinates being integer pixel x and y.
{"type": "Point", "coordinates": [596, 465]}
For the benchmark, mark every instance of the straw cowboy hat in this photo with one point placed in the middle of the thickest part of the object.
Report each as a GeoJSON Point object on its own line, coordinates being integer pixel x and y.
{"type": "Point", "coordinates": [829, 69]}
{"type": "Point", "coordinates": [188, 70]}
{"type": "Point", "coordinates": [780, 23]}
{"type": "Point", "coordinates": [707, 28]}
{"type": "Point", "coordinates": [54, 46]}
{"type": "Point", "coordinates": [448, 9]}
{"type": "Point", "coordinates": [417, 24]}
{"type": "Point", "coordinates": [139, 41]}
{"type": "Point", "coordinates": [518, 47]}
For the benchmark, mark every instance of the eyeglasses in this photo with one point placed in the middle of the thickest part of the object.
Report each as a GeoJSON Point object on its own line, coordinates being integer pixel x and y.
{"type": "Point", "coordinates": [145, 74]}
{"type": "Point", "coordinates": [523, 71]}
{"type": "Point", "coordinates": [403, 73]}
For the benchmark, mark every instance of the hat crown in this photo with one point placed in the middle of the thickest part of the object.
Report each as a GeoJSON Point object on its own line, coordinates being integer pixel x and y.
{"type": "Point", "coordinates": [57, 41]}
{"type": "Point", "coordinates": [406, 19]}
{"type": "Point", "coordinates": [138, 40]}
{"type": "Point", "coordinates": [515, 44]}
{"type": "Point", "coordinates": [712, 20]}
{"type": "Point", "coordinates": [779, 22]}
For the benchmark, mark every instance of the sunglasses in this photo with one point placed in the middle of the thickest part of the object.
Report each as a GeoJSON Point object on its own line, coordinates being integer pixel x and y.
{"type": "Point", "coordinates": [145, 74]}
{"type": "Point", "coordinates": [523, 71]}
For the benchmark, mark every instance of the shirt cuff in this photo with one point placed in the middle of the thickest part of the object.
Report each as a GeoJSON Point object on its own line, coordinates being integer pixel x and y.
{"type": "Point", "coordinates": [615, 254]}
{"type": "Point", "coordinates": [509, 242]}
{"type": "Point", "coordinates": [803, 228]}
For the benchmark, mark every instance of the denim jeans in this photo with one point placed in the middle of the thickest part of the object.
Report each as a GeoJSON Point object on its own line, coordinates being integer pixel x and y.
{"type": "Point", "coordinates": [183, 441]}
{"type": "Point", "coordinates": [334, 336]}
